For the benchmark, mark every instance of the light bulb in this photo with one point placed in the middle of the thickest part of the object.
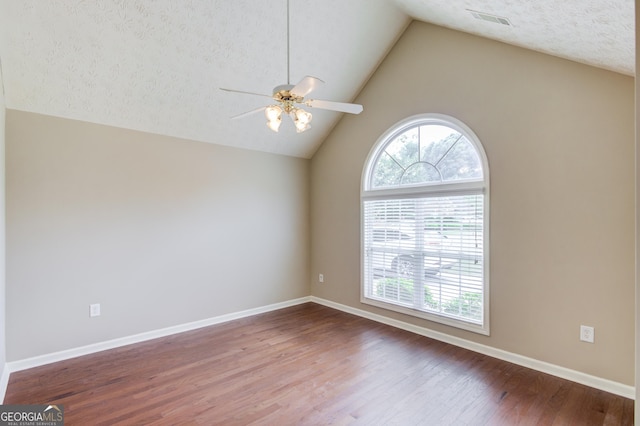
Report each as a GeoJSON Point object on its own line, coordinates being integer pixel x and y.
{"type": "Point", "coordinates": [274, 115]}
{"type": "Point", "coordinates": [301, 119]}
{"type": "Point", "coordinates": [274, 124]}
{"type": "Point", "coordinates": [303, 116]}
{"type": "Point", "coordinates": [273, 112]}
{"type": "Point", "coordinates": [301, 127]}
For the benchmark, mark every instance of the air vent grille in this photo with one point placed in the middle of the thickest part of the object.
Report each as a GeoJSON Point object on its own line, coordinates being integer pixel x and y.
{"type": "Point", "coordinates": [489, 17]}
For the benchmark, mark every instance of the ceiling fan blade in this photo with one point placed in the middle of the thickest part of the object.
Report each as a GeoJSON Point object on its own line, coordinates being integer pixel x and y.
{"type": "Point", "coordinates": [253, 111]}
{"type": "Point", "coordinates": [246, 93]}
{"type": "Point", "coordinates": [334, 106]}
{"type": "Point", "coordinates": [306, 86]}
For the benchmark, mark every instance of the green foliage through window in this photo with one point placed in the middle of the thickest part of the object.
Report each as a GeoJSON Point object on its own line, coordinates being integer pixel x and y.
{"type": "Point", "coordinates": [468, 305]}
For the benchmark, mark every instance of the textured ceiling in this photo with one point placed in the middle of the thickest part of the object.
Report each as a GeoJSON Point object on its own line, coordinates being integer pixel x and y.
{"type": "Point", "coordinates": [157, 66]}
{"type": "Point", "coordinates": [596, 32]}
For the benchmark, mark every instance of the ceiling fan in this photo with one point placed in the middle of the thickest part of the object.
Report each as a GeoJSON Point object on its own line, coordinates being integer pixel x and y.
{"type": "Point", "coordinates": [289, 98]}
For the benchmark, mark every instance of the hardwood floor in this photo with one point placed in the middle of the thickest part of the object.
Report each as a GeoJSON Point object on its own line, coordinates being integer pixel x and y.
{"type": "Point", "coordinates": [308, 365]}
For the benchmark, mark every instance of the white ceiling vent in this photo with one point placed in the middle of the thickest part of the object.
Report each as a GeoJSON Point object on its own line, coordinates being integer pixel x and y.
{"type": "Point", "coordinates": [489, 17]}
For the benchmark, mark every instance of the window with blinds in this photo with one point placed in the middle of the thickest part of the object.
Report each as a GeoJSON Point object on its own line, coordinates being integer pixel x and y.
{"type": "Point", "coordinates": [425, 223]}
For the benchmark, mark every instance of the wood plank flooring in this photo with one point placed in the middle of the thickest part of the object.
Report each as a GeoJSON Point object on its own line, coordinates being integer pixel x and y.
{"type": "Point", "coordinates": [308, 365]}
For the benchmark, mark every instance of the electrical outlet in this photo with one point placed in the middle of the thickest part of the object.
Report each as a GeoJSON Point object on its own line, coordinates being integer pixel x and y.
{"type": "Point", "coordinates": [586, 333]}
{"type": "Point", "coordinates": [321, 278]}
{"type": "Point", "coordinates": [94, 310]}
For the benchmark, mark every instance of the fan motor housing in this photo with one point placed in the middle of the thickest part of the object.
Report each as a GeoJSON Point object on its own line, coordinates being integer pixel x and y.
{"type": "Point", "coordinates": [283, 93]}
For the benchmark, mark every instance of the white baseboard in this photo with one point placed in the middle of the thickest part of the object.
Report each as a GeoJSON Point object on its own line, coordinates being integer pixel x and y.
{"type": "Point", "coordinates": [4, 381]}
{"type": "Point", "coordinates": [565, 373]}
{"type": "Point", "coordinates": [545, 367]}
{"type": "Point", "coordinates": [142, 337]}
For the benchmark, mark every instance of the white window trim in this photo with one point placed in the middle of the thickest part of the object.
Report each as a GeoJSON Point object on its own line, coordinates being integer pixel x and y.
{"type": "Point", "coordinates": [458, 187]}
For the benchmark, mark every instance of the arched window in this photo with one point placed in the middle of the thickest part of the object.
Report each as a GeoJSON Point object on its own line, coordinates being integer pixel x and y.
{"type": "Point", "coordinates": [425, 206]}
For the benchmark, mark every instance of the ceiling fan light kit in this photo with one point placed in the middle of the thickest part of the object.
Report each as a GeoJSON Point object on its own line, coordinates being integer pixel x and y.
{"type": "Point", "coordinates": [287, 104]}
{"type": "Point", "coordinates": [288, 97]}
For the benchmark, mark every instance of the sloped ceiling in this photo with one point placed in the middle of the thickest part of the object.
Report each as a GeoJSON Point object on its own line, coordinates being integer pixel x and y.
{"type": "Point", "coordinates": [157, 66]}
{"type": "Point", "coordinates": [595, 32]}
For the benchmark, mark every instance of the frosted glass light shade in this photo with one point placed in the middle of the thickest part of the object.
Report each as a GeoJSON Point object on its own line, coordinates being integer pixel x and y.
{"type": "Point", "coordinates": [301, 120]}
{"type": "Point", "coordinates": [274, 115]}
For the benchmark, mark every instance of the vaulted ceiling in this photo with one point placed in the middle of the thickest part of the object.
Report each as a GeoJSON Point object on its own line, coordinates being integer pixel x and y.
{"type": "Point", "coordinates": [158, 66]}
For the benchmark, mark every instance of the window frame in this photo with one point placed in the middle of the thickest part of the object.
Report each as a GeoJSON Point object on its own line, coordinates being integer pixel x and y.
{"type": "Point", "coordinates": [458, 187]}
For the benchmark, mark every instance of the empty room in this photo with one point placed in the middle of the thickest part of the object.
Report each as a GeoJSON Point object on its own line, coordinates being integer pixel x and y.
{"type": "Point", "coordinates": [307, 212]}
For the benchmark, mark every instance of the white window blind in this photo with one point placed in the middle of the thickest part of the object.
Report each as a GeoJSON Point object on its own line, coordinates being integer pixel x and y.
{"type": "Point", "coordinates": [424, 232]}
{"type": "Point", "coordinates": [426, 254]}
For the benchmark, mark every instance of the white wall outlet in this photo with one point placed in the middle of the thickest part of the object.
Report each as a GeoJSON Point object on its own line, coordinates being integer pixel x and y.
{"type": "Point", "coordinates": [586, 333]}
{"type": "Point", "coordinates": [94, 310]}
{"type": "Point", "coordinates": [321, 278]}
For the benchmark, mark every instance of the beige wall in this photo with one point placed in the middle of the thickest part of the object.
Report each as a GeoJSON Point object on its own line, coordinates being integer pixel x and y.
{"type": "Point", "coordinates": [160, 231]}
{"type": "Point", "coordinates": [559, 137]}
